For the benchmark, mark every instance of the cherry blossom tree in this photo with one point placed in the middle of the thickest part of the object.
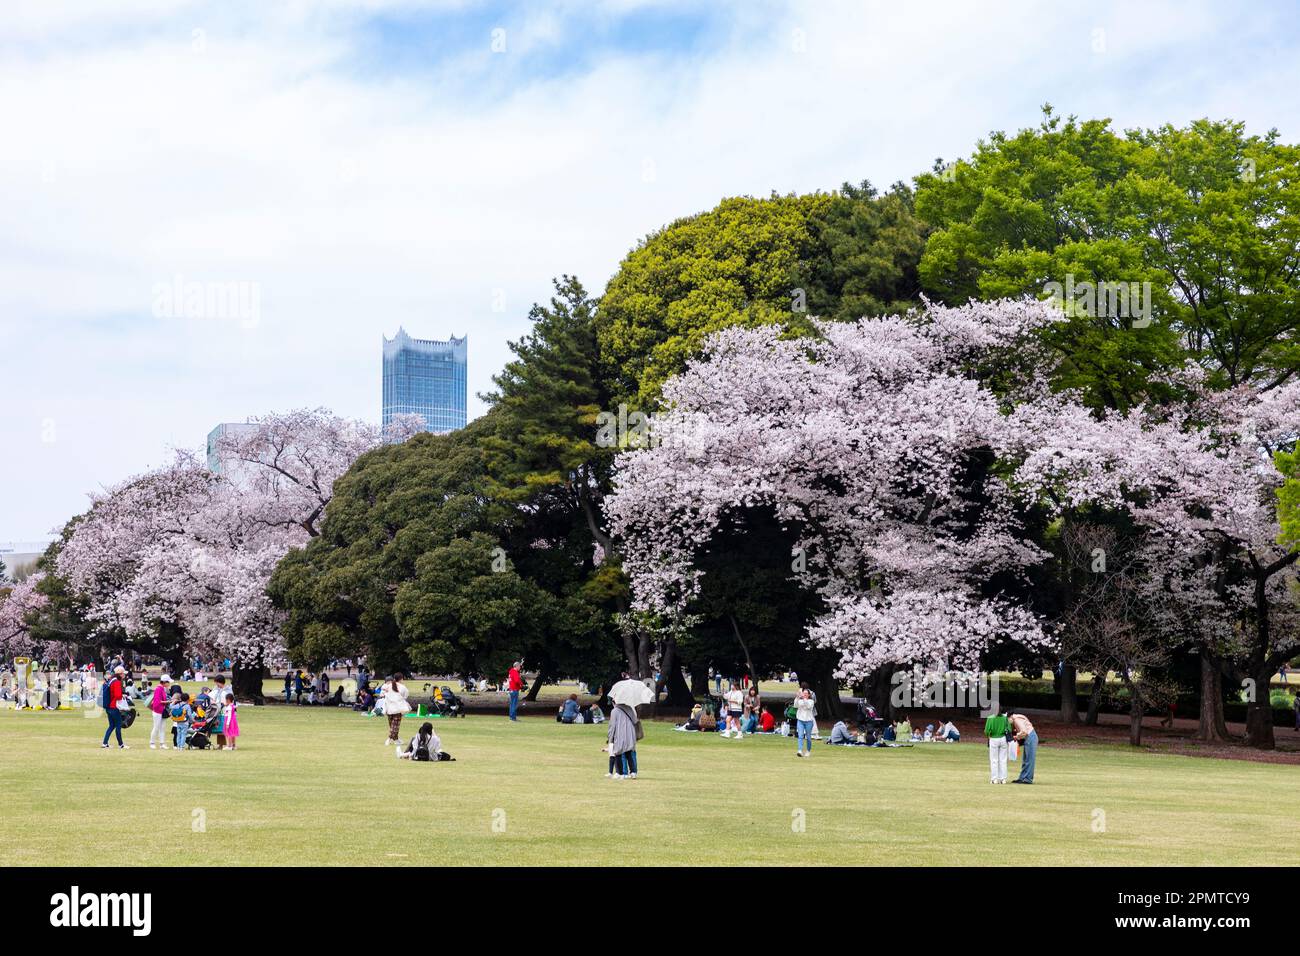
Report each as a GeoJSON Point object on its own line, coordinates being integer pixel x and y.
{"type": "Point", "coordinates": [1202, 480]}
{"type": "Point", "coordinates": [17, 603]}
{"type": "Point", "coordinates": [178, 559]}
{"type": "Point", "coordinates": [876, 442]}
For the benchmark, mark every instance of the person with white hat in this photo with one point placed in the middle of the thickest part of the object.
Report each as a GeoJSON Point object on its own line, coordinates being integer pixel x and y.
{"type": "Point", "coordinates": [158, 705]}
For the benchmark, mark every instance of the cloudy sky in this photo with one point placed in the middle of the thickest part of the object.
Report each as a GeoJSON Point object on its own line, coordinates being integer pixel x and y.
{"type": "Point", "coordinates": [353, 167]}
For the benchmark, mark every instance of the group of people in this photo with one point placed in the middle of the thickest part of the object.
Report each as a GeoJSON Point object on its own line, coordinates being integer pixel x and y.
{"type": "Point", "coordinates": [1002, 729]}
{"type": "Point", "coordinates": [574, 712]}
{"type": "Point", "coordinates": [316, 689]}
{"type": "Point", "coordinates": [177, 716]}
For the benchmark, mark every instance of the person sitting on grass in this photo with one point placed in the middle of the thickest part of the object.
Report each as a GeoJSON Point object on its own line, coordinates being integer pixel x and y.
{"type": "Point", "coordinates": [593, 714]}
{"type": "Point", "coordinates": [568, 713]}
{"type": "Point", "coordinates": [841, 735]}
{"type": "Point", "coordinates": [928, 737]}
{"type": "Point", "coordinates": [890, 734]}
{"type": "Point", "coordinates": [767, 723]}
{"type": "Point", "coordinates": [903, 728]}
{"type": "Point", "coordinates": [948, 733]}
{"type": "Point", "coordinates": [425, 745]}
{"type": "Point", "coordinates": [693, 721]}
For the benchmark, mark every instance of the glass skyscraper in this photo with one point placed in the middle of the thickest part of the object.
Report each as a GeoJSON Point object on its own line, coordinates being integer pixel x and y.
{"type": "Point", "coordinates": [425, 377]}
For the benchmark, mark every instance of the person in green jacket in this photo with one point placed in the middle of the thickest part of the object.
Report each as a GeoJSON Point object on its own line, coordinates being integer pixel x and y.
{"type": "Point", "coordinates": [995, 729]}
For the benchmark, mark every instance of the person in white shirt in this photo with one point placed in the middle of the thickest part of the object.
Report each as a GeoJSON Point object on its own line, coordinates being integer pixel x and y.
{"type": "Point", "coordinates": [394, 696]}
{"type": "Point", "coordinates": [735, 707]}
{"type": "Point", "coordinates": [805, 710]}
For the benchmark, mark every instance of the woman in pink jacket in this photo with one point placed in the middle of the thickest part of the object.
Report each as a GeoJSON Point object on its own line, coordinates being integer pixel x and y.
{"type": "Point", "coordinates": [158, 704]}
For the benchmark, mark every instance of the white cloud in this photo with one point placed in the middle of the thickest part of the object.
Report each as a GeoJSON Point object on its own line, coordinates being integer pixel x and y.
{"type": "Point", "coordinates": [136, 150]}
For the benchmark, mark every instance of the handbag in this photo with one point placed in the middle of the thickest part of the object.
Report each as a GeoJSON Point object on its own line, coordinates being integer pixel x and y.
{"type": "Point", "coordinates": [1013, 750]}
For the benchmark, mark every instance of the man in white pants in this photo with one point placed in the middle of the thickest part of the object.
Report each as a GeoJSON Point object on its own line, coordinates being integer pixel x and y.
{"type": "Point", "coordinates": [995, 729]}
{"type": "Point", "coordinates": [158, 707]}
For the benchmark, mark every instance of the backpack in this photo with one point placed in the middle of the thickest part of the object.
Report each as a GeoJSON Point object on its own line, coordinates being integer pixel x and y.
{"type": "Point", "coordinates": [178, 712]}
{"type": "Point", "coordinates": [105, 697]}
{"type": "Point", "coordinates": [443, 755]}
{"type": "Point", "coordinates": [421, 751]}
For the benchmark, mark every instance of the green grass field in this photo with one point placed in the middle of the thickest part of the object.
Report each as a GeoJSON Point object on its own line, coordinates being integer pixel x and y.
{"type": "Point", "coordinates": [315, 786]}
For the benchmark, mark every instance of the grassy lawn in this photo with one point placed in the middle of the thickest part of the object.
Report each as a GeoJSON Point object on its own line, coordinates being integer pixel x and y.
{"type": "Point", "coordinates": [316, 786]}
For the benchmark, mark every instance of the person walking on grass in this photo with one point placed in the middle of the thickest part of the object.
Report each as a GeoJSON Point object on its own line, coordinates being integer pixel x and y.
{"type": "Point", "coordinates": [110, 697]}
{"type": "Point", "coordinates": [515, 683]}
{"type": "Point", "coordinates": [394, 696]}
{"type": "Point", "coordinates": [805, 712]}
{"type": "Point", "coordinates": [1024, 732]}
{"type": "Point", "coordinates": [995, 729]}
{"type": "Point", "coordinates": [158, 708]}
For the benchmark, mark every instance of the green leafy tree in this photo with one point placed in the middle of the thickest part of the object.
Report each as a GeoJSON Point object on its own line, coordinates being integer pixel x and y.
{"type": "Point", "coordinates": [754, 262]}
{"type": "Point", "coordinates": [466, 551]}
{"type": "Point", "coordinates": [1207, 215]}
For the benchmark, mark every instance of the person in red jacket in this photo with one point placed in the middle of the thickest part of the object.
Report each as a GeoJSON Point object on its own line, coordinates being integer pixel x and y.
{"type": "Point", "coordinates": [112, 693]}
{"type": "Point", "coordinates": [158, 706]}
{"type": "Point", "coordinates": [515, 682]}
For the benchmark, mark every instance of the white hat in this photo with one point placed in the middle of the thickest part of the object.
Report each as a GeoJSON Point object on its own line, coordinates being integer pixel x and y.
{"type": "Point", "coordinates": [119, 669]}
{"type": "Point", "coordinates": [165, 679]}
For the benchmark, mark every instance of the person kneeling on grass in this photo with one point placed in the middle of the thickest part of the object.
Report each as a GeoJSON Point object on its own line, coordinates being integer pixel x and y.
{"type": "Point", "coordinates": [947, 732]}
{"type": "Point", "coordinates": [568, 713]}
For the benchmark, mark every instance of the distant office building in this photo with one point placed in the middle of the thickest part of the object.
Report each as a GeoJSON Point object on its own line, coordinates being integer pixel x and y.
{"type": "Point", "coordinates": [425, 377]}
{"type": "Point", "coordinates": [215, 463]}
{"type": "Point", "coordinates": [19, 556]}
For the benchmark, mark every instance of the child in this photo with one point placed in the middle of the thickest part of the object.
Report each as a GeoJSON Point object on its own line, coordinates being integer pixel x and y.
{"type": "Point", "coordinates": [182, 713]}
{"type": "Point", "coordinates": [423, 746]}
{"type": "Point", "coordinates": [231, 725]}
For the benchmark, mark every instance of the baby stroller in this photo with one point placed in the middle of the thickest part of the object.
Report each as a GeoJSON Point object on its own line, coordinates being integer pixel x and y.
{"type": "Point", "coordinates": [450, 705]}
{"type": "Point", "coordinates": [870, 722]}
{"type": "Point", "coordinates": [201, 731]}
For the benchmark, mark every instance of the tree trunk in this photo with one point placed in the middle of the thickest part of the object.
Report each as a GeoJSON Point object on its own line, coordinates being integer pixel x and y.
{"type": "Point", "coordinates": [176, 661]}
{"type": "Point", "coordinates": [542, 677]}
{"type": "Point", "coordinates": [878, 691]}
{"type": "Point", "coordinates": [749, 663]}
{"type": "Point", "coordinates": [246, 681]}
{"type": "Point", "coordinates": [1259, 712]}
{"type": "Point", "coordinates": [679, 695]}
{"type": "Point", "coordinates": [827, 689]}
{"type": "Point", "coordinates": [1212, 726]}
{"type": "Point", "coordinates": [1094, 699]}
{"type": "Point", "coordinates": [1069, 694]}
{"type": "Point", "coordinates": [643, 666]}
{"type": "Point", "coordinates": [1137, 710]}
{"type": "Point", "coordinates": [699, 681]}
{"type": "Point", "coordinates": [630, 652]}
